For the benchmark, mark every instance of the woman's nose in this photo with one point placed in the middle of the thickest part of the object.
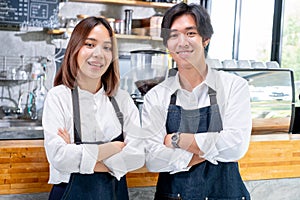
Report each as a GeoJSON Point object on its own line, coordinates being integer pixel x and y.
{"type": "Point", "coordinates": [97, 51]}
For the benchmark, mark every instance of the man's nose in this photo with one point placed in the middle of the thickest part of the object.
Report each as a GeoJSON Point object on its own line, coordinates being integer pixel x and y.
{"type": "Point", "coordinates": [182, 39]}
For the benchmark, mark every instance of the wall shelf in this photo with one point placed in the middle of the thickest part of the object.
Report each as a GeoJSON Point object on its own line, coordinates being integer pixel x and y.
{"type": "Point", "coordinates": [137, 37]}
{"type": "Point", "coordinates": [130, 3]}
{"type": "Point", "coordinates": [118, 36]}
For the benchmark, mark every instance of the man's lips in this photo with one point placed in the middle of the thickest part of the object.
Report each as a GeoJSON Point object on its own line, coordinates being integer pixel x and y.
{"type": "Point", "coordinates": [184, 53]}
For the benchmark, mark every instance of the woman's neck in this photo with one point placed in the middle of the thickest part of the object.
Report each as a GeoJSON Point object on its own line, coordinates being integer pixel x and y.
{"type": "Point", "coordinates": [91, 85]}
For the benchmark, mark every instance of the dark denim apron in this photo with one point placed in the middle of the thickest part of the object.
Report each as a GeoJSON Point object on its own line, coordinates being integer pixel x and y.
{"type": "Point", "coordinates": [204, 181]}
{"type": "Point", "coordinates": [99, 185]}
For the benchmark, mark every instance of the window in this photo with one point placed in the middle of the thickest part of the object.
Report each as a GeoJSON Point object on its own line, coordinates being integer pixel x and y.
{"type": "Point", "coordinates": [222, 19]}
{"type": "Point", "coordinates": [291, 42]}
{"type": "Point", "coordinates": [255, 29]}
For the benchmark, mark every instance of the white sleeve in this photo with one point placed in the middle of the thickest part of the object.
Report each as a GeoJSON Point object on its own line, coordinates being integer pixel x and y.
{"type": "Point", "coordinates": [232, 142]}
{"type": "Point", "coordinates": [64, 157]}
{"type": "Point", "coordinates": [132, 156]}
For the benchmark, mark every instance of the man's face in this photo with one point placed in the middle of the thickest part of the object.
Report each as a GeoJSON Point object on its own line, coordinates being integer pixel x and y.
{"type": "Point", "coordinates": [185, 43]}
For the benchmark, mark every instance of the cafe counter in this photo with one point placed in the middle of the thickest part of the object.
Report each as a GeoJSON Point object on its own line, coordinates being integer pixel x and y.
{"type": "Point", "coordinates": [24, 167]}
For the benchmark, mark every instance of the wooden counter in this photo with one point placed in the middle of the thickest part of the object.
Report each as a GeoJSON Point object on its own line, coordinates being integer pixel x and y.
{"type": "Point", "coordinates": [24, 167]}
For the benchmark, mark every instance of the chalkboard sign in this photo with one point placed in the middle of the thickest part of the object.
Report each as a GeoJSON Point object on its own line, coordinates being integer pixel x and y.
{"type": "Point", "coordinates": [35, 13]}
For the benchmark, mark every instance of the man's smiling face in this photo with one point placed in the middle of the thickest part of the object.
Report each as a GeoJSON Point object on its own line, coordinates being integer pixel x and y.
{"type": "Point", "coordinates": [185, 43]}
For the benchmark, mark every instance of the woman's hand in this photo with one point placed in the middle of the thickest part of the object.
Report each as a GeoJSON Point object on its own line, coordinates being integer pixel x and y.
{"type": "Point", "coordinates": [63, 133]}
{"type": "Point", "coordinates": [108, 149]}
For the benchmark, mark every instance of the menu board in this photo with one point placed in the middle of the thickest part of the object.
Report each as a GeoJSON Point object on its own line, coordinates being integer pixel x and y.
{"type": "Point", "coordinates": [36, 13]}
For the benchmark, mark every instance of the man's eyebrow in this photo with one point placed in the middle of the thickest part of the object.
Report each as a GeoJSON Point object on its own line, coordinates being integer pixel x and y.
{"type": "Point", "coordinates": [190, 28]}
{"type": "Point", "coordinates": [187, 28]}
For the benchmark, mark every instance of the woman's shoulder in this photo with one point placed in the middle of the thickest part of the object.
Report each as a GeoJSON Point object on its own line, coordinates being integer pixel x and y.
{"type": "Point", "coordinates": [60, 90]}
{"type": "Point", "coordinates": [122, 95]}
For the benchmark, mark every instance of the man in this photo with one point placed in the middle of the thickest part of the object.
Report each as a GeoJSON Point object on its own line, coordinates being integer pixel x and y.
{"type": "Point", "coordinates": [198, 121]}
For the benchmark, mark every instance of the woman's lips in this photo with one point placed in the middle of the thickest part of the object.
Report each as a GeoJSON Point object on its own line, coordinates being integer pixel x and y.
{"type": "Point", "coordinates": [95, 64]}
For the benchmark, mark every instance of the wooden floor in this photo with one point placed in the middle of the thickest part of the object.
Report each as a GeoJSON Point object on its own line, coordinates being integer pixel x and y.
{"type": "Point", "coordinates": [24, 167]}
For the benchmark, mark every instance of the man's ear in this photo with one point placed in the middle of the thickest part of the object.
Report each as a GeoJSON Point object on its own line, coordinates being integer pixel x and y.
{"type": "Point", "coordinates": [206, 42]}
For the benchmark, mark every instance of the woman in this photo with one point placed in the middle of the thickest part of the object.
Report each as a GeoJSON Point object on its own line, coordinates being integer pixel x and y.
{"type": "Point", "coordinates": [89, 124]}
{"type": "Point", "coordinates": [199, 121]}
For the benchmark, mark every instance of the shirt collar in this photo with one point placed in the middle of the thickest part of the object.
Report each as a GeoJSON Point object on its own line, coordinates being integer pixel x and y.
{"type": "Point", "coordinates": [87, 93]}
{"type": "Point", "coordinates": [210, 80]}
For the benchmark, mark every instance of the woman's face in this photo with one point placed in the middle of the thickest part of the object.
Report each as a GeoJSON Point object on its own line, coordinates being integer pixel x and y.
{"type": "Point", "coordinates": [184, 43]}
{"type": "Point", "coordinates": [95, 56]}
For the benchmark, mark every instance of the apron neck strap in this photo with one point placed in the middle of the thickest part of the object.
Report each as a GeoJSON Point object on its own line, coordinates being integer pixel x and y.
{"type": "Point", "coordinates": [76, 118]}
{"type": "Point", "coordinates": [212, 97]}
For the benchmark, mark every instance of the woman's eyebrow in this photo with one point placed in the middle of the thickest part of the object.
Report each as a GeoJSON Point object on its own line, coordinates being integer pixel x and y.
{"type": "Point", "coordinates": [93, 39]}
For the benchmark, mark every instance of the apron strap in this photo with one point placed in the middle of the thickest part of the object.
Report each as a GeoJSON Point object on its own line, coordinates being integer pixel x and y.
{"type": "Point", "coordinates": [76, 118]}
{"type": "Point", "coordinates": [173, 98]}
{"type": "Point", "coordinates": [212, 96]}
{"type": "Point", "coordinates": [118, 112]}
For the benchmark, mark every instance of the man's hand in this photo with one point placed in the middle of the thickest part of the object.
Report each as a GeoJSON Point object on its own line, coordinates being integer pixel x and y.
{"type": "Point", "coordinates": [100, 167]}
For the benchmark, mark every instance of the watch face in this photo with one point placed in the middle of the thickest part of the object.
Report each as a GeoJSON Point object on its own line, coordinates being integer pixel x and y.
{"type": "Point", "coordinates": [174, 137]}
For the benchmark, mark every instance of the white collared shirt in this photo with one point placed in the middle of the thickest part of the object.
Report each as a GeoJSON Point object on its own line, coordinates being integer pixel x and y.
{"type": "Point", "coordinates": [98, 123]}
{"type": "Point", "coordinates": [230, 144]}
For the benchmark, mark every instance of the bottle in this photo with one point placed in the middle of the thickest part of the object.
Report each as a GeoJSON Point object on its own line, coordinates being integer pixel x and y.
{"type": "Point", "coordinates": [155, 24]}
{"type": "Point", "coordinates": [40, 93]}
{"type": "Point", "coordinates": [111, 22]}
{"type": "Point", "coordinates": [128, 21]}
{"type": "Point", "coordinates": [120, 26]}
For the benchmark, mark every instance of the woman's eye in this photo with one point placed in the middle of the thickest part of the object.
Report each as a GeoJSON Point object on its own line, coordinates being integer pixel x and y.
{"type": "Point", "coordinates": [107, 48]}
{"type": "Point", "coordinates": [90, 45]}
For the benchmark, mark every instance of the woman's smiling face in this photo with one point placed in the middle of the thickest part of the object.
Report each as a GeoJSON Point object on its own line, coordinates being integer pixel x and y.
{"type": "Point", "coordinates": [185, 43]}
{"type": "Point", "coordinates": [95, 56]}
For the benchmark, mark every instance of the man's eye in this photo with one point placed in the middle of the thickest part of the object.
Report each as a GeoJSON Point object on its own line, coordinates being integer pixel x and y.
{"type": "Point", "coordinates": [174, 35]}
{"type": "Point", "coordinates": [191, 34]}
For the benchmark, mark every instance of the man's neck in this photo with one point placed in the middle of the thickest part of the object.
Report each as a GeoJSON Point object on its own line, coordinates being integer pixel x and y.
{"type": "Point", "coordinates": [191, 77]}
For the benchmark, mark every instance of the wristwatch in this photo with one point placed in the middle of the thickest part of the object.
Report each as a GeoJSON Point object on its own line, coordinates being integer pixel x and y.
{"type": "Point", "coordinates": [175, 139]}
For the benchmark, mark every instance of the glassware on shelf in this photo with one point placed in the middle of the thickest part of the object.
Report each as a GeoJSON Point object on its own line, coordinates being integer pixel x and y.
{"type": "Point", "coordinates": [40, 93]}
